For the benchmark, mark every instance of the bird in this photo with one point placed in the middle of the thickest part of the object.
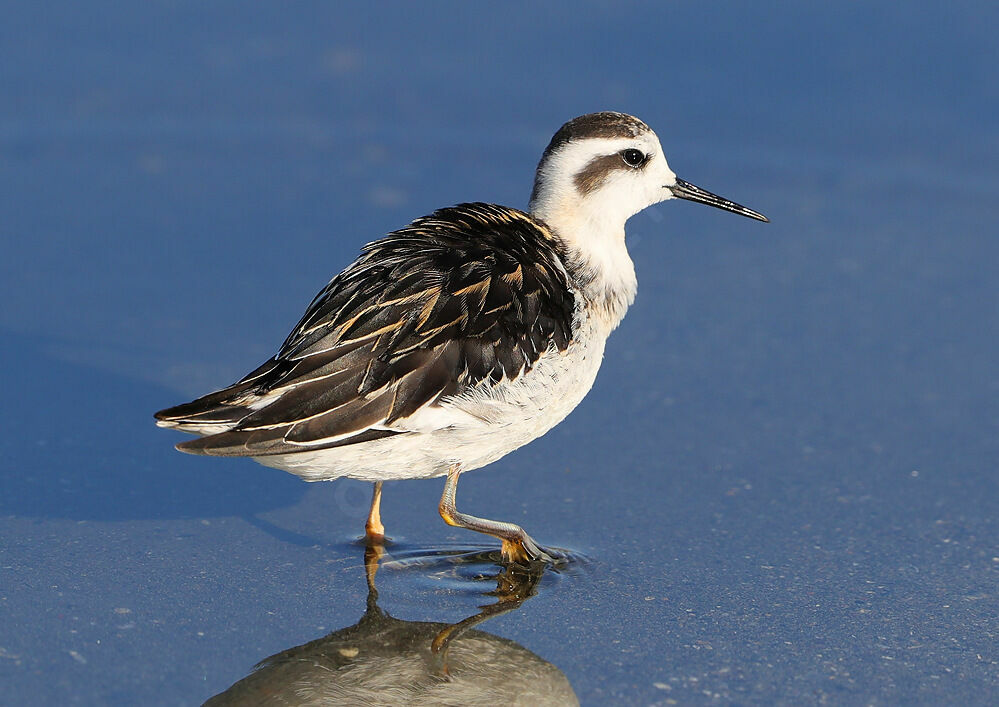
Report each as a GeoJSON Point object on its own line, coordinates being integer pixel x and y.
{"type": "Point", "coordinates": [458, 338]}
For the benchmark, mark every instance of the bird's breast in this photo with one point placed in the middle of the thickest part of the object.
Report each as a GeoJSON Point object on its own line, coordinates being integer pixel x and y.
{"type": "Point", "coordinates": [539, 398]}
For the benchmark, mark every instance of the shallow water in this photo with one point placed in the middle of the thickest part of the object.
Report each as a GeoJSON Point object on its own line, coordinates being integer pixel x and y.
{"type": "Point", "coordinates": [782, 487]}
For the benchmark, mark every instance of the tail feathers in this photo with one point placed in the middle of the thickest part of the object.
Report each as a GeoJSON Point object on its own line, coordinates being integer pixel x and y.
{"type": "Point", "coordinates": [227, 443]}
{"type": "Point", "coordinates": [261, 443]}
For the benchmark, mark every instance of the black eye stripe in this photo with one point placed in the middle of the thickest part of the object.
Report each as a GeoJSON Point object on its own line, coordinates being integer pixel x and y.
{"type": "Point", "coordinates": [633, 157]}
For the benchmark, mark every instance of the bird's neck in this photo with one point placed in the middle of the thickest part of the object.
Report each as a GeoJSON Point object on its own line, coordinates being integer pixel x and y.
{"type": "Point", "coordinates": [596, 256]}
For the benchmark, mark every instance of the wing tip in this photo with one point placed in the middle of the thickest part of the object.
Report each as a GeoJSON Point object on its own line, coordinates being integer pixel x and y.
{"type": "Point", "coordinates": [164, 415]}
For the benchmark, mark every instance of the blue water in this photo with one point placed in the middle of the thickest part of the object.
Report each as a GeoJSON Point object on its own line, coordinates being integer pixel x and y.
{"type": "Point", "coordinates": [784, 481]}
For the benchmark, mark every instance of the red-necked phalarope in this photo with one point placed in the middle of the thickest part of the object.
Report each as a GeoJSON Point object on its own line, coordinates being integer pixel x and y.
{"type": "Point", "coordinates": [459, 338]}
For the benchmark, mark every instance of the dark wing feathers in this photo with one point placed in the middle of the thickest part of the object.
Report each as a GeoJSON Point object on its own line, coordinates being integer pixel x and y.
{"type": "Point", "coordinates": [260, 443]}
{"type": "Point", "coordinates": [469, 294]}
{"type": "Point", "coordinates": [223, 405]}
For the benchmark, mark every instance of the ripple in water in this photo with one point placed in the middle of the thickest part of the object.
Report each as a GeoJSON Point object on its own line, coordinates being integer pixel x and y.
{"type": "Point", "coordinates": [465, 572]}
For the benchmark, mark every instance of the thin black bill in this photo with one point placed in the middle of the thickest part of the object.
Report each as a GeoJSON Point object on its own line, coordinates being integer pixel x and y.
{"type": "Point", "coordinates": [686, 190]}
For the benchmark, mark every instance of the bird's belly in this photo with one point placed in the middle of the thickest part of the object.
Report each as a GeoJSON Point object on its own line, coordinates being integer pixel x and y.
{"type": "Point", "coordinates": [511, 415]}
{"type": "Point", "coordinates": [472, 429]}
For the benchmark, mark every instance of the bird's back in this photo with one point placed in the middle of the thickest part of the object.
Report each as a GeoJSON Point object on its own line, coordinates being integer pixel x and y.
{"type": "Point", "coordinates": [470, 295]}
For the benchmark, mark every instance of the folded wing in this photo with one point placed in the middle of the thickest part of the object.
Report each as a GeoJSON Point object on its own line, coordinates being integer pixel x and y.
{"type": "Point", "coordinates": [470, 295]}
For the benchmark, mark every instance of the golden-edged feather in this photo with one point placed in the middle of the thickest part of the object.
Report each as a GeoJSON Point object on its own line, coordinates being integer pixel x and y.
{"type": "Point", "coordinates": [470, 295]}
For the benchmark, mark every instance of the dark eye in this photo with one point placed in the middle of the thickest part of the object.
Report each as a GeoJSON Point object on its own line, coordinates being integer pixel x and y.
{"type": "Point", "coordinates": [633, 158]}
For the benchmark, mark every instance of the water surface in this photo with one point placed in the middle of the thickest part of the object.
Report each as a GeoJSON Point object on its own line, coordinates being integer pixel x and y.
{"type": "Point", "coordinates": [784, 479]}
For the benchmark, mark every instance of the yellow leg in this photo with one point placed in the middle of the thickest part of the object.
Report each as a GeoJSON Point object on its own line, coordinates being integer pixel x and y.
{"type": "Point", "coordinates": [517, 545]}
{"type": "Point", "coordinates": [374, 529]}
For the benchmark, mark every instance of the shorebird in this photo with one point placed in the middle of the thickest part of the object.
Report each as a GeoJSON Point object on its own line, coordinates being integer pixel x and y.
{"type": "Point", "coordinates": [459, 338]}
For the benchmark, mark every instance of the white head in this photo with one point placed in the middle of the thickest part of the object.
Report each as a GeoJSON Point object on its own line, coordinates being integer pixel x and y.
{"type": "Point", "coordinates": [606, 167]}
{"type": "Point", "coordinates": [598, 171]}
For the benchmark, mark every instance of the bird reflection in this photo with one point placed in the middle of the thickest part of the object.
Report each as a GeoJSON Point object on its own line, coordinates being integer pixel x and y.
{"type": "Point", "coordinates": [382, 660]}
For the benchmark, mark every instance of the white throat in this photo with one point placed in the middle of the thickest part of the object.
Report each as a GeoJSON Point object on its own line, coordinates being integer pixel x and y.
{"type": "Point", "coordinates": [590, 218]}
{"type": "Point", "coordinates": [599, 262]}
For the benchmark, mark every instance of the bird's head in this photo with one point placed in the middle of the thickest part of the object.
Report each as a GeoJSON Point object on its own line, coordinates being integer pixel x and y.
{"type": "Point", "coordinates": [601, 169]}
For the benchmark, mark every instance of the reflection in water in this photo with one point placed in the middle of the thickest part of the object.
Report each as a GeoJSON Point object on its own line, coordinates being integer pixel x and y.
{"type": "Point", "coordinates": [381, 660]}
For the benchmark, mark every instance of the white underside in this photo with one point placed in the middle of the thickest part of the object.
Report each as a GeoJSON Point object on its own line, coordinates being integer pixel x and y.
{"type": "Point", "coordinates": [481, 425]}
{"type": "Point", "coordinates": [471, 430]}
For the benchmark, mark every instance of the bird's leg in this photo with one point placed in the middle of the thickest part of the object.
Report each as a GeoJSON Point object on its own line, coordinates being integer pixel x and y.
{"type": "Point", "coordinates": [373, 529]}
{"type": "Point", "coordinates": [517, 545]}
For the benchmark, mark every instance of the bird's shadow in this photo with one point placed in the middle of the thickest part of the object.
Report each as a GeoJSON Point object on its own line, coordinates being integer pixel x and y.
{"type": "Point", "coordinates": [80, 443]}
{"type": "Point", "coordinates": [385, 660]}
